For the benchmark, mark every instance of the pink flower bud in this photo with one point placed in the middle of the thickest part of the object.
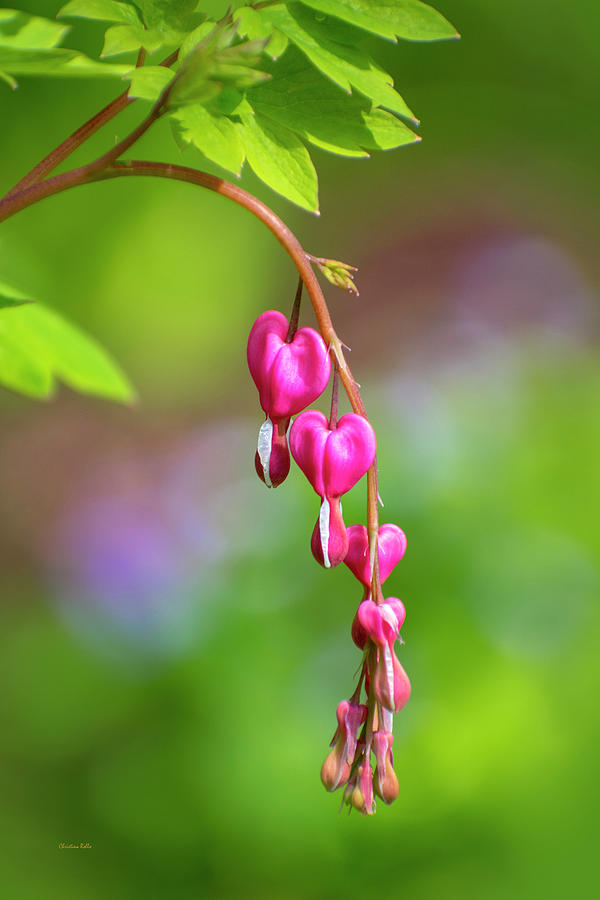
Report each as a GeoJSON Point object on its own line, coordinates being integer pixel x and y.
{"type": "Point", "coordinates": [336, 768]}
{"type": "Point", "coordinates": [329, 541]}
{"type": "Point", "coordinates": [332, 460]}
{"type": "Point", "coordinates": [379, 622]}
{"type": "Point", "coordinates": [289, 377]}
{"type": "Point", "coordinates": [391, 544]}
{"type": "Point", "coordinates": [390, 682]}
{"type": "Point", "coordinates": [272, 459]}
{"type": "Point", "coordinates": [362, 795]}
{"type": "Point", "coordinates": [385, 780]}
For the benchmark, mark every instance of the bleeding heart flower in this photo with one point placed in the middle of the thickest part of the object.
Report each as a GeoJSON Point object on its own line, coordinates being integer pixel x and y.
{"type": "Point", "coordinates": [391, 543]}
{"type": "Point", "coordinates": [379, 622]}
{"type": "Point", "coordinates": [289, 376]}
{"type": "Point", "coordinates": [333, 460]}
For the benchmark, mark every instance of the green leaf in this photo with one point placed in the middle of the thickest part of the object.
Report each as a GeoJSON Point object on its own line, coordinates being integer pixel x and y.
{"type": "Point", "coordinates": [166, 15]}
{"type": "Point", "coordinates": [103, 10]}
{"type": "Point", "coordinates": [27, 48]}
{"type": "Point", "coordinates": [408, 19]}
{"type": "Point", "coordinates": [37, 346]}
{"type": "Point", "coordinates": [331, 47]}
{"type": "Point", "coordinates": [122, 39]}
{"type": "Point", "coordinates": [31, 32]}
{"type": "Point", "coordinates": [148, 82]}
{"type": "Point", "coordinates": [279, 159]}
{"type": "Point", "coordinates": [217, 137]}
{"type": "Point", "coordinates": [251, 24]}
{"type": "Point", "coordinates": [302, 99]}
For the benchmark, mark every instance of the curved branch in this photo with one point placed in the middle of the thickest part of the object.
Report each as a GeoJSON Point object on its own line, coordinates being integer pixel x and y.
{"type": "Point", "coordinates": [75, 140]}
{"type": "Point", "coordinates": [105, 169]}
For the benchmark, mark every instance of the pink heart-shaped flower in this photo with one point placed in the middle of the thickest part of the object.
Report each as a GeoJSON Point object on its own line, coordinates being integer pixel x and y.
{"type": "Point", "coordinates": [333, 460]}
{"type": "Point", "coordinates": [289, 377]}
{"type": "Point", "coordinates": [391, 544]}
{"type": "Point", "coordinates": [379, 622]}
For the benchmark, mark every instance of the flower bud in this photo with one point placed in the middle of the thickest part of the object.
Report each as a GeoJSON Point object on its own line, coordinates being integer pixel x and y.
{"type": "Point", "coordinates": [391, 543]}
{"type": "Point", "coordinates": [335, 771]}
{"type": "Point", "coordinates": [329, 542]}
{"type": "Point", "coordinates": [365, 781]}
{"type": "Point", "coordinates": [385, 780]}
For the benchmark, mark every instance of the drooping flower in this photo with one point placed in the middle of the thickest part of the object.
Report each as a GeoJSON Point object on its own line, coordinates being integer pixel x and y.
{"type": "Point", "coordinates": [333, 460]}
{"type": "Point", "coordinates": [289, 375]}
{"type": "Point", "coordinates": [391, 543]}
{"type": "Point", "coordinates": [381, 624]}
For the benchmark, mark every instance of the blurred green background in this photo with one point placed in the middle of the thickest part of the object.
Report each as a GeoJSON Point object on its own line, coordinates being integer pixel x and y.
{"type": "Point", "coordinates": [170, 655]}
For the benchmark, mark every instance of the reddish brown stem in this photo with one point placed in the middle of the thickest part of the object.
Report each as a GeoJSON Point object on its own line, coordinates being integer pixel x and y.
{"type": "Point", "coordinates": [106, 168]}
{"type": "Point", "coordinates": [295, 314]}
{"type": "Point", "coordinates": [334, 398]}
{"type": "Point", "coordinates": [75, 140]}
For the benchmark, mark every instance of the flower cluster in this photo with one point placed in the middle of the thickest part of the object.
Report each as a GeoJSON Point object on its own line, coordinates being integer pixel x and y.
{"type": "Point", "coordinates": [291, 369]}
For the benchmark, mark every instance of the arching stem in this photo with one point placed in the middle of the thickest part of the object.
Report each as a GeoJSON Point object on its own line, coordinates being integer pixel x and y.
{"type": "Point", "coordinates": [106, 168]}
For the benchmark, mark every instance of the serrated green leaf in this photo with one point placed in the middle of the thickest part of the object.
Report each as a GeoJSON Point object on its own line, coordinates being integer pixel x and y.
{"type": "Point", "coordinates": [122, 39]}
{"type": "Point", "coordinates": [168, 14]}
{"type": "Point", "coordinates": [20, 30]}
{"type": "Point", "coordinates": [83, 67]}
{"type": "Point", "coordinates": [101, 10]}
{"type": "Point", "coordinates": [215, 136]}
{"type": "Point", "coordinates": [251, 24]}
{"type": "Point", "coordinates": [302, 99]}
{"type": "Point", "coordinates": [38, 346]}
{"type": "Point", "coordinates": [148, 82]}
{"type": "Point", "coordinates": [331, 47]}
{"type": "Point", "coordinates": [56, 63]}
{"type": "Point", "coordinates": [30, 50]}
{"type": "Point", "coordinates": [407, 19]}
{"type": "Point", "coordinates": [279, 159]}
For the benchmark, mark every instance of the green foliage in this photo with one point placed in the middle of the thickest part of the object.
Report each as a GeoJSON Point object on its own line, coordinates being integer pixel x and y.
{"type": "Point", "coordinates": [37, 347]}
{"type": "Point", "coordinates": [300, 68]}
{"type": "Point", "coordinates": [257, 85]}
{"type": "Point", "coordinates": [408, 19]}
{"type": "Point", "coordinates": [279, 158]}
{"type": "Point", "coordinates": [28, 46]}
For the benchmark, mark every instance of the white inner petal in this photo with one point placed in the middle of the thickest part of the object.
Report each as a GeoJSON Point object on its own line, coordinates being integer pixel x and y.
{"type": "Point", "coordinates": [265, 438]}
{"type": "Point", "coordinates": [389, 671]}
{"type": "Point", "coordinates": [389, 615]}
{"type": "Point", "coordinates": [324, 532]}
{"type": "Point", "coordinates": [387, 719]}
